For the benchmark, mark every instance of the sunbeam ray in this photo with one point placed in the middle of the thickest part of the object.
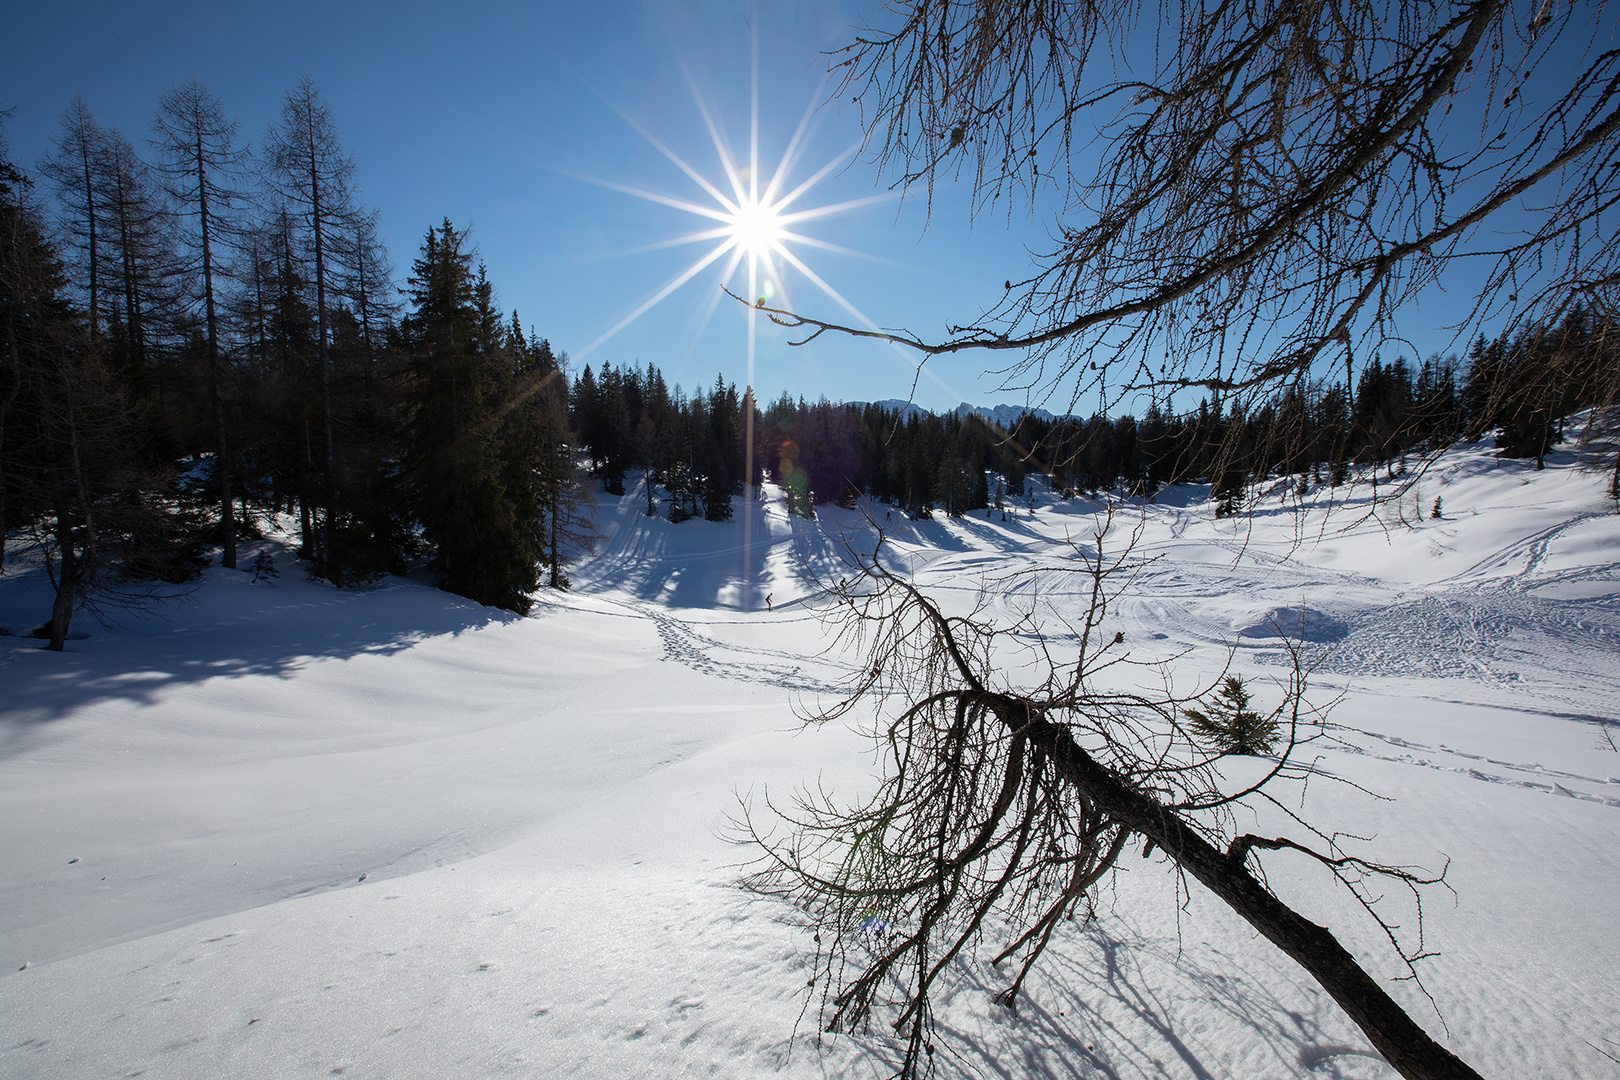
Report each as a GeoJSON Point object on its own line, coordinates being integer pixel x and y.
{"type": "Point", "coordinates": [698, 178]}
{"type": "Point", "coordinates": [790, 156]}
{"type": "Point", "coordinates": [818, 176]}
{"type": "Point", "coordinates": [839, 249]}
{"type": "Point", "coordinates": [835, 208]}
{"type": "Point", "coordinates": [728, 213]}
{"type": "Point", "coordinates": [647, 305]}
{"type": "Point", "coordinates": [720, 149]}
{"type": "Point", "coordinates": [911, 362]}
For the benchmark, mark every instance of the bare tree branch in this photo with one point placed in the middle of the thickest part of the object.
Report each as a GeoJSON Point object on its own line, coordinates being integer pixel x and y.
{"type": "Point", "coordinates": [1279, 177]}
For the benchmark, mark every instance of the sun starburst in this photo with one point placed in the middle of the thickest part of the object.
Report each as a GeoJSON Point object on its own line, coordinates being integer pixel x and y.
{"type": "Point", "coordinates": [755, 223]}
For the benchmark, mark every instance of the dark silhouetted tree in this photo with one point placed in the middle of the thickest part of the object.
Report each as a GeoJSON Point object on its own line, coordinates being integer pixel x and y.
{"type": "Point", "coordinates": [201, 162]}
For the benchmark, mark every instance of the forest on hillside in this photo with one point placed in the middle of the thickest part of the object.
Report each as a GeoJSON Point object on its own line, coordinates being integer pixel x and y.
{"type": "Point", "coordinates": [1522, 387]}
{"type": "Point", "coordinates": [208, 333]}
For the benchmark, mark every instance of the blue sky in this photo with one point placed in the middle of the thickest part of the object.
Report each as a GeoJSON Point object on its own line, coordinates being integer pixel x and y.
{"type": "Point", "coordinates": [499, 115]}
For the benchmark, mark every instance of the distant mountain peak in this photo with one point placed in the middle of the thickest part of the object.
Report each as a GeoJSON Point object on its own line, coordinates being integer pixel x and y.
{"type": "Point", "coordinates": [1005, 415]}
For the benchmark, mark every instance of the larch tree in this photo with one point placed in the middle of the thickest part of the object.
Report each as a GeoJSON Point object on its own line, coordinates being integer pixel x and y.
{"type": "Point", "coordinates": [309, 170]}
{"type": "Point", "coordinates": [141, 233]}
{"type": "Point", "coordinates": [78, 466]}
{"type": "Point", "coordinates": [1015, 779]}
{"type": "Point", "coordinates": [202, 162]}
{"type": "Point", "coordinates": [293, 377]}
{"type": "Point", "coordinates": [75, 168]}
{"type": "Point", "coordinates": [366, 278]}
{"type": "Point", "coordinates": [1244, 194]}
{"type": "Point", "coordinates": [30, 302]}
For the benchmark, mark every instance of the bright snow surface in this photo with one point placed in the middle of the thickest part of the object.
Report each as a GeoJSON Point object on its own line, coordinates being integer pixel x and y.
{"type": "Point", "coordinates": [282, 830]}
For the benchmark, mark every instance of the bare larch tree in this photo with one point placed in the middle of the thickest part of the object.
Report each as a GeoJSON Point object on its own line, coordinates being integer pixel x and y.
{"type": "Point", "coordinates": [1243, 195]}
{"type": "Point", "coordinates": [310, 171]}
{"type": "Point", "coordinates": [1244, 189]}
{"type": "Point", "coordinates": [201, 160]}
{"type": "Point", "coordinates": [1013, 782]}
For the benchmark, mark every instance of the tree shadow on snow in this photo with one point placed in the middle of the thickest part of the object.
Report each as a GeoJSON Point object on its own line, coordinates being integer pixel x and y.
{"type": "Point", "coordinates": [229, 627]}
{"type": "Point", "coordinates": [710, 565]}
{"type": "Point", "coordinates": [1112, 1006]}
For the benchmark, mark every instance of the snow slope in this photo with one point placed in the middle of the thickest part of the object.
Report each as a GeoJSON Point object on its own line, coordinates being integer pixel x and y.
{"type": "Point", "coordinates": [283, 830]}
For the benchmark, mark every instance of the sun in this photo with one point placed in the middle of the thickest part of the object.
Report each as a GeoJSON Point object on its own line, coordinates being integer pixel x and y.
{"type": "Point", "coordinates": [751, 214]}
{"type": "Point", "coordinates": [756, 228]}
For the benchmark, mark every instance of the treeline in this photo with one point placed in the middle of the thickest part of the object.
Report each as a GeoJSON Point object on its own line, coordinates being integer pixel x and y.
{"type": "Point", "coordinates": [198, 338]}
{"type": "Point", "coordinates": [1523, 386]}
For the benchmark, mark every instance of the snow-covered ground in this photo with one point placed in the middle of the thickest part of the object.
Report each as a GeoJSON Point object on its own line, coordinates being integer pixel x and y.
{"type": "Point", "coordinates": [281, 830]}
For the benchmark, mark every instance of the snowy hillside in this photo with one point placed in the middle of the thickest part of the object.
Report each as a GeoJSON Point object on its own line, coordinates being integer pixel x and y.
{"type": "Point", "coordinates": [282, 830]}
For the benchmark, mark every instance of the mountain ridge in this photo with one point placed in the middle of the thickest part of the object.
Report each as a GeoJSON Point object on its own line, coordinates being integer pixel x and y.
{"type": "Point", "coordinates": [1005, 415]}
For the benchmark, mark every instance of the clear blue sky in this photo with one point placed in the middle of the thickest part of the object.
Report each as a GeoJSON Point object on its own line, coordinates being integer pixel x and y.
{"type": "Point", "coordinates": [493, 114]}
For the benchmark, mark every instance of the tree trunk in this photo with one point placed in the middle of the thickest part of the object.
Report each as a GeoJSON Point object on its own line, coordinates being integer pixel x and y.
{"type": "Point", "coordinates": [334, 569]}
{"type": "Point", "coordinates": [90, 221]}
{"type": "Point", "coordinates": [307, 546]}
{"type": "Point", "coordinates": [12, 390]}
{"type": "Point", "coordinates": [67, 582]}
{"type": "Point", "coordinates": [1394, 1034]}
{"type": "Point", "coordinates": [556, 508]}
{"type": "Point", "coordinates": [222, 461]}
{"type": "Point", "coordinates": [76, 566]}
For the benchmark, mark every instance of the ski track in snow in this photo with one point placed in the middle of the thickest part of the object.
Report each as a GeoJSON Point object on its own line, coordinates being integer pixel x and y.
{"type": "Point", "coordinates": [730, 660]}
{"type": "Point", "coordinates": [1445, 759]}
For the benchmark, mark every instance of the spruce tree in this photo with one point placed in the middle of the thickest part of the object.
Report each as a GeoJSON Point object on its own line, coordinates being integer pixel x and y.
{"type": "Point", "coordinates": [1229, 726]}
{"type": "Point", "coordinates": [484, 542]}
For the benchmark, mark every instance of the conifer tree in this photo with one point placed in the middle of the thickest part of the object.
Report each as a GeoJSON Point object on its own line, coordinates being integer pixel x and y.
{"type": "Point", "coordinates": [77, 463]}
{"type": "Point", "coordinates": [482, 532]}
{"type": "Point", "coordinates": [74, 169]}
{"type": "Point", "coordinates": [1228, 726]}
{"type": "Point", "coordinates": [141, 234]}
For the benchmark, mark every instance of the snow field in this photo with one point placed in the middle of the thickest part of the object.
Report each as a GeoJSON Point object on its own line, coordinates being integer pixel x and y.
{"type": "Point", "coordinates": [537, 806]}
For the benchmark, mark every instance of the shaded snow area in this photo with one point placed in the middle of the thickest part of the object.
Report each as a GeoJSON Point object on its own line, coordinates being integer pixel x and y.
{"type": "Point", "coordinates": [280, 830]}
